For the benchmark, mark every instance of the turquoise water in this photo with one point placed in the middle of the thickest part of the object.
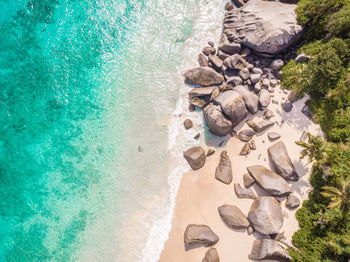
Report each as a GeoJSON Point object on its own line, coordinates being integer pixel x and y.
{"type": "Point", "coordinates": [87, 93]}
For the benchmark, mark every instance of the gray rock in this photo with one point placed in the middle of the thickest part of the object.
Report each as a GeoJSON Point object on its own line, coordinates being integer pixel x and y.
{"type": "Point", "coordinates": [248, 180]}
{"type": "Point", "coordinates": [229, 47]}
{"type": "Point", "coordinates": [243, 192]}
{"type": "Point", "coordinates": [244, 73]}
{"type": "Point", "coordinates": [281, 162]}
{"type": "Point", "coordinates": [204, 76]}
{"type": "Point", "coordinates": [257, 70]}
{"type": "Point", "coordinates": [252, 145]}
{"type": "Point", "coordinates": [254, 78]}
{"type": "Point", "coordinates": [217, 122]}
{"type": "Point", "coordinates": [264, 98]}
{"type": "Point", "coordinates": [265, 215]}
{"type": "Point", "coordinates": [269, 181]}
{"type": "Point", "coordinates": [276, 64]}
{"type": "Point", "coordinates": [216, 61]}
{"type": "Point", "coordinates": [232, 105]}
{"type": "Point", "coordinates": [209, 50]}
{"type": "Point", "coordinates": [292, 202]}
{"type": "Point", "coordinates": [251, 100]}
{"type": "Point", "coordinates": [245, 149]}
{"type": "Point", "coordinates": [188, 123]}
{"type": "Point", "coordinates": [257, 88]}
{"type": "Point", "coordinates": [273, 82]}
{"type": "Point", "coordinates": [202, 91]}
{"type": "Point", "coordinates": [266, 82]}
{"type": "Point", "coordinates": [302, 58]}
{"type": "Point", "coordinates": [234, 80]}
{"type": "Point", "coordinates": [273, 135]}
{"type": "Point", "coordinates": [233, 217]}
{"type": "Point", "coordinates": [271, 90]}
{"type": "Point", "coordinates": [235, 62]}
{"type": "Point", "coordinates": [268, 249]}
{"type": "Point", "coordinates": [264, 31]}
{"type": "Point", "coordinates": [198, 102]}
{"type": "Point", "coordinates": [202, 61]}
{"type": "Point", "coordinates": [195, 157]}
{"type": "Point", "coordinates": [223, 171]}
{"type": "Point", "coordinates": [200, 235]}
{"type": "Point", "coordinates": [245, 135]}
{"type": "Point", "coordinates": [263, 125]}
{"type": "Point", "coordinates": [211, 255]}
{"type": "Point", "coordinates": [287, 106]}
{"type": "Point", "coordinates": [268, 114]}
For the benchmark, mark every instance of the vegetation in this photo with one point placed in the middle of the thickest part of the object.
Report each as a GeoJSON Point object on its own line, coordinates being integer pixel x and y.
{"type": "Point", "coordinates": [324, 218]}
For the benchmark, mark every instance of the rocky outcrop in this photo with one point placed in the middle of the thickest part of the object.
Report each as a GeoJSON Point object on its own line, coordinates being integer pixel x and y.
{"type": "Point", "coordinates": [195, 157]}
{"type": "Point", "coordinates": [204, 76]}
{"type": "Point", "coordinates": [269, 181]}
{"type": "Point", "coordinates": [281, 162]}
{"type": "Point", "coordinates": [233, 105]}
{"type": "Point", "coordinates": [243, 192]}
{"type": "Point", "coordinates": [233, 217]}
{"type": "Point", "coordinates": [246, 135]}
{"type": "Point", "coordinates": [264, 249]}
{"type": "Point", "coordinates": [223, 171]}
{"type": "Point", "coordinates": [229, 47]}
{"type": "Point", "coordinates": [265, 215]}
{"type": "Point", "coordinates": [217, 122]}
{"type": "Point", "coordinates": [250, 99]}
{"type": "Point", "coordinates": [211, 256]}
{"type": "Point", "coordinates": [262, 30]}
{"type": "Point", "coordinates": [200, 235]}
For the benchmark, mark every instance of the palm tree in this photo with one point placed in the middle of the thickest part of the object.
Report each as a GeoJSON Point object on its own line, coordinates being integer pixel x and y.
{"type": "Point", "coordinates": [314, 149]}
{"type": "Point", "coordinates": [339, 195]}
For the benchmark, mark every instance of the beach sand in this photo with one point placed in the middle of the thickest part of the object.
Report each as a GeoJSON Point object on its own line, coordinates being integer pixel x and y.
{"type": "Point", "coordinates": [200, 194]}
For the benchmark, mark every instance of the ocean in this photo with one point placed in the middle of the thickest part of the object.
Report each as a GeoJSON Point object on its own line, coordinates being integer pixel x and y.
{"type": "Point", "coordinates": [92, 101]}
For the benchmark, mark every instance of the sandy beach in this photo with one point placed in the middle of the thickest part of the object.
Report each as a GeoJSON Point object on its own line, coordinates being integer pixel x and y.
{"type": "Point", "coordinates": [200, 194]}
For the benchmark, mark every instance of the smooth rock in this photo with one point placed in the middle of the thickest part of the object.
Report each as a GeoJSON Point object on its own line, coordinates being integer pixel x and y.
{"type": "Point", "coordinates": [233, 106]}
{"type": "Point", "coordinates": [287, 106]}
{"type": "Point", "coordinates": [281, 161]}
{"type": "Point", "coordinates": [200, 235]}
{"type": "Point", "coordinates": [188, 123]}
{"type": "Point", "coordinates": [273, 82]}
{"type": "Point", "coordinates": [202, 91]}
{"type": "Point", "coordinates": [216, 61]}
{"type": "Point", "coordinates": [217, 122]}
{"type": "Point", "coordinates": [233, 217]}
{"type": "Point", "coordinates": [269, 181]}
{"type": "Point", "coordinates": [202, 60]}
{"type": "Point", "coordinates": [244, 73]}
{"type": "Point", "coordinates": [266, 82]}
{"type": "Point", "coordinates": [211, 256]}
{"type": "Point", "coordinates": [229, 47]}
{"type": "Point", "coordinates": [263, 125]}
{"type": "Point", "coordinates": [250, 123]}
{"type": "Point", "coordinates": [268, 114]}
{"type": "Point", "coordinates": [250, 99]}
{"type": "Point", "coordinates": [209, 50]}
{"type": "Point", "coordinates": [250, 230]}
{"type": "Point", "coordinates": [204, 76]}
{"type": "Point", "coordinates": [257, 70]}
{"type": "Point", "coordinates": [243, 192]}
{"type": "Point", "coordinates": [292, 202]}
{"type": "Point", "coordinates": [271, 90]}
{"type": "Point", "coordinates": [245, 135]}
{"type": "Point", "coordinates": [235, 62]}
{"type": "Point", "coordinates": [223, 171]}
{"type": "Point", "coordinates": [276, 64]}
{"type": "Point", "coordinates": [245, 149]}
{"type": "Point", "coordinates": [252, 145]}
{"type": "Point", "coordinates": [268, 249]}
{"type": "Point", "coordinates": [264, 98]}
{"type": "Point", "coordinates": [273, 135]}
{"type": "Point", "coordinates": [254, 78]}
{"type": "Point", "coordinates": [223, 55]}
{"type": "Point", "coordinates": [257, 88]}
{"type": "Point", "coordinates": [197, 102]}
{"type": "Point", "coordinates": [234, 80]}
{"type": "Point", "coordinates": [195, 157]}
{"type": "Point", "coordinates": [265, 215]}
{"type": "Point", "coordinates": [248, 180]}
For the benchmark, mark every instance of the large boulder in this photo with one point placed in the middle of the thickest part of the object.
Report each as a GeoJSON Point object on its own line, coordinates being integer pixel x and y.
{"type": "Point", "coordinates": [200, 235]}
{"type": "Point", "coordinates": [217, 122]}
{"type": "Point", "coordinates": [195, 157]}
{"type": "Point", "coordinates": [265, 215]}
{"type": "Point", "coordinates": [269, 181]}
{"type": "Point", "coordinates": [235, 62]}
{"type": "Point", "coordinates": [281, 162]}
{"type": "Point", "coordinates": [233, 105]}
{"type": "Point", "coordinates": [251, 100]}
{"type": "Point", "coordinates": [264, 249]}
{"type": "Point", "coordinates": [262, 30]}
{"type": "Point", "coordinates": [211, 256]}
{"type": "Point", "coordinates": [233, 217]}
{"type": "Point", "coordinates": [223, 171]}
{"type": "Point", "coordinates": [204, 76]}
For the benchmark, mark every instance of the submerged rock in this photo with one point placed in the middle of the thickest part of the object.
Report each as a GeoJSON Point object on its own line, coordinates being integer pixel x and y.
{"type": "Point", "coordinates": [233, 217]}
{"type": "Point", "coordinates": [265, 215]}
{"type": "Point", "coordinates": [217, 122]}
{"type": "Point", "coordinates": [204, 76]}
{"type": "Point", "coordinates": [211, 256]}
{"type": "Point", "coordinates": [264, 249]}
{"type": "Point", "coordinates": [223, 171]}
{"type": "Point", "coordinates": [195, 157]}
{"type": "Point", "coordinates": [281, 162]}
{"type": "Point", "coordinates": [200, 235]}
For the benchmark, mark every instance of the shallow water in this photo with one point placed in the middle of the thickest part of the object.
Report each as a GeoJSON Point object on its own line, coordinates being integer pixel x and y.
{"type": "Point", "coordinates": [91, 126]}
